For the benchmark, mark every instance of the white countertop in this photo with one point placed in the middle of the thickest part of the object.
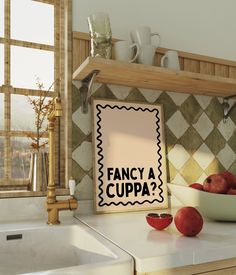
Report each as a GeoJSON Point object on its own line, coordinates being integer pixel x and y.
{"type": "Point", "coordinates": [156, 250]}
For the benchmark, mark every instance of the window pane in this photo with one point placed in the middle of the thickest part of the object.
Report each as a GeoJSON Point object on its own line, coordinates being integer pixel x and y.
{"type": "Point", "coordinates": [23, 115]}
{"type": "Point", "coordinates": [1, 157]}
{"type": "Point", "coordinates": [32, 21]}
{"type": "Point", "coordinates": [1, 63]}
{"type": "Point", "coordinates": [20, 157]}
{"type": "Point", "coordinates": [1, 18]}
{"type": "Point", "coordinates": [28, 64]}
{"type": "Point", "coordinates": [1, 111]}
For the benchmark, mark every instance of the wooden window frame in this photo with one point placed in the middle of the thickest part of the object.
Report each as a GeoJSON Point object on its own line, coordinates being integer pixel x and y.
{"type": "Point", "coordinates": [63, 85]}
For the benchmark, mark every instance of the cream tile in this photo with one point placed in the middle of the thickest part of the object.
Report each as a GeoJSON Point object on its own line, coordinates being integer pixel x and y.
{"type": "Point", "coordinates": [226, 156]}
{"type": "Point", "coordinates": [203, 126]}
{"type": "Point", "coordinates": [120, 92]}
{"type": "Point", "coordinates": [203, 100]}
{"type": "Point", "coordinates": [150, 95]}
{"type": "Point", "coordinates": [95, 87]}
{"type": "Point", "coordinates": [203, 156]}
{"type": "Point", "coordinates": [178, 98]}
{"type": "Point", "coordinates": [226, 129]}
{"type": "Point", "coordinates": [83, 155]}
{"type": "Point", "coordinates": [178, 156]}
{"type": "Point", "coordinates": [84, 189]}
{"type": "Point", "coordinates": [177, 124]}
{"type": "Point", "coordinates": [179, 180]}
{"type": "Point", "coordinates": [201, 178]}
{"type": "Point", "coordinates": [83, 121]}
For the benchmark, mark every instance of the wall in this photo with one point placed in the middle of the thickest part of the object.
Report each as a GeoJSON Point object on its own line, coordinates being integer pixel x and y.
{"type": "Point", "coordinates": [198, 143]}
{"type": "Point", "coordinates": [204, 27]}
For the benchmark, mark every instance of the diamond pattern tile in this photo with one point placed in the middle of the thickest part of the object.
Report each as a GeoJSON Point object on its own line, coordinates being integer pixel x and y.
{"type": "Point", "coordinates": [203, 156]}
{"type": "Point", "coordinates": [178, 98]}
{"type": "Point", "coordinates": [203, 101]}
{"type": "Point", "coordinates": [214, 111]}
{"type": "Point", "coordinates": [197, 141]}
{"type": "Point", "coordinates": [83, 155]}
{"type": "Point", "coordinates": [169, 106]}
{"type": "Point", "coordinates": [178, 156]}
{"type": "Point", "coordinates": [187, 171]}
{"type": "Point", "coordinates": [215, 141]}
{"type": "Point", "coordinates": [227, 128]}
{"type": "Point", "coordinates": [83, 120]}
{"type": "Point", "coordinates": [226, 156]}
{"type": "Point", "coordinates": [203, 126]}
{"type": "Point", "coordinates": [232, 141]}
{"type": "Point", "coordinates": [150, 95]}
{"type": "Point", "coordinates": [120, 92]}
{"type": "Point", "coordinates": [177, 124]}
{"type": "Point", "coordinates": [202, 177]}
{"type": "Point", "coordinates": [191, 109]}
{"type": "Point", "coordinates": [191, 140]}
{"type": "Point", "coordinates": [178, 179]}
{"type": "Point", "coordinates": [84, 189]}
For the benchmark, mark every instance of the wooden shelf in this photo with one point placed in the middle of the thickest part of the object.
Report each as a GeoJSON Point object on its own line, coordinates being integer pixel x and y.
{"type": "Point", "coordinates": [156, 78]}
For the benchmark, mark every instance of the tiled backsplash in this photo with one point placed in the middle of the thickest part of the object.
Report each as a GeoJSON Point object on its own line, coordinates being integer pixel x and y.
{"type": "Point", "coordinates": [198, 142]}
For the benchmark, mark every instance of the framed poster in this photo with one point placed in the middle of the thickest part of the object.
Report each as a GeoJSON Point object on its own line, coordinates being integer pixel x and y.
{"type": "Point", "coordinates": [129, 156]}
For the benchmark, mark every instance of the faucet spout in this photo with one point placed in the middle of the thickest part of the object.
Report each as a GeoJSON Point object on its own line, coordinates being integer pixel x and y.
{"type": "Point", "coordinates": [52, 204]}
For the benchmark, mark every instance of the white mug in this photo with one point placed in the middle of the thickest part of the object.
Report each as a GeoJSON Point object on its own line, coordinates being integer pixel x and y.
{"type": "Point", "coordinates": [143, 35]}
{"type": "Point", "coordinates": [170, 60]}
{"type": "Point", "coordinates": [146, 54]}
{"type": "Point", "coordinates": [124, 51]}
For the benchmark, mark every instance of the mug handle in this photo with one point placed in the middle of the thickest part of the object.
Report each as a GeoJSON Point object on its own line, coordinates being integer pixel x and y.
{"type": "Point", "coordinates": [159, 38]}
{"type": "Point", "coordinates": [163, 60]}
{"type": "Point", "coordinates": [137, 52]}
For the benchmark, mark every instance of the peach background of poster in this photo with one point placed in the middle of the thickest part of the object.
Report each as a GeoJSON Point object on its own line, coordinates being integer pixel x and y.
{"type": "Point", "coordinates": [129, 139]}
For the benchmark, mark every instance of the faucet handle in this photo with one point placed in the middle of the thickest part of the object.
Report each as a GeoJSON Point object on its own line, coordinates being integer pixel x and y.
{"type": "Point", "coordinates": [72, 185]}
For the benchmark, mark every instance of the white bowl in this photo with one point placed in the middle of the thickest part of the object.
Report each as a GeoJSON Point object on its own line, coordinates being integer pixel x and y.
{"type": "Point", "coordinates": [219, 207]}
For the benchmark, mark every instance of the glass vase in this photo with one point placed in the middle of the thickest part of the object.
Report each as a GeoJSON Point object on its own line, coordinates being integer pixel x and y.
{"type": "Point", "coordinates": [100, 35]}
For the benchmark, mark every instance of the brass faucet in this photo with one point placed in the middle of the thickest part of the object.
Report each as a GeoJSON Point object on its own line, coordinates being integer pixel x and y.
{"type": "Point", "coordinates": [53, 205]}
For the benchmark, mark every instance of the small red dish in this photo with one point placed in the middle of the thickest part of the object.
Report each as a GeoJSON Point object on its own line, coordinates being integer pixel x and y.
{"type": "Point", "coordinates": [159, 221]}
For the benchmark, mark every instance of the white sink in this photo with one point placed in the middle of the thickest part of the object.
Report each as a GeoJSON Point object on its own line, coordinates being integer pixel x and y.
{"type": "Point", "coordinates": [61, 249]}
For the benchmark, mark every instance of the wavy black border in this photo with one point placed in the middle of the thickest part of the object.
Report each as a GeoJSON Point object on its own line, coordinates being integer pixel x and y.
{"type": "Point", "coordinates": [101, 157]}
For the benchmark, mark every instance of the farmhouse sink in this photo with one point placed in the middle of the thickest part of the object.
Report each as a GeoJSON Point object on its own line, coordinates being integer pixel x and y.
{"type": "Point", "coordinates": [64, 249]}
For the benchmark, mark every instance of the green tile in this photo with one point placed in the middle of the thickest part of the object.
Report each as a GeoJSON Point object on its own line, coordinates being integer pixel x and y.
{"type": "Point", "coordinates": [233, 114]}
{"type": "Point", "coordinates": [214, 111]}
{"type": "Point", "coordinates": [135, 96]}
{"type": "Point", "coordinates": [191, 140]}
{"type": "Point", "coordinates": [232, 168]}
{"type": "Point", "coordinates": [103, 92]}
{"type": "Point", "coordinates": [169, 107]}
{"type": "Point", "coordinates": [191, 109]}
{"type": "Point", "coordinates": [77, 136]}
{"type": "Point", "coordinates": [232, 141]}
{"type": "Point", "coordinates": [77, 172]}
{"type": "Point", "coordinates": [75, 99]}
{"type": "Point", "coordinates": [170, 139]}
{"type": "Point", "coordinates": [191, 171]}
{"type": "Point", "coordinates": [215, 141]}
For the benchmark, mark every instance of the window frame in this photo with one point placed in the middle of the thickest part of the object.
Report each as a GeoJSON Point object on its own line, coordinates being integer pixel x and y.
{"type": "Point", "coordinates": [62, 85]}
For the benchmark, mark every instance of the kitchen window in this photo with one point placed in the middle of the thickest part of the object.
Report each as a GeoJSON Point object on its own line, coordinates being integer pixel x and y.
{"type": "Point", "coordinates": [33, 38]}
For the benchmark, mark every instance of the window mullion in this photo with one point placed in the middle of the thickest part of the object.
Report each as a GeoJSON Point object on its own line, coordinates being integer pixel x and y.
{"type": "Point", "coordinates": [6, 88]}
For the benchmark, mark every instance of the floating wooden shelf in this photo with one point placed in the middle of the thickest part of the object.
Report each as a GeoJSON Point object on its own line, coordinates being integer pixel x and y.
{"type": "Point", "coordinates": [157, 78]}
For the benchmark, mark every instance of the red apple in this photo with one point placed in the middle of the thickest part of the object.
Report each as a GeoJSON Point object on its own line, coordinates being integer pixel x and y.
{"type": "Point", "coordinates": [198, 186]}
{"type": "Point", "coordinates": [188, 221]}
{"type": "Point", "coordinates": [216, 184]}
{"type": "Point", "coordinates": [231, 191]}
{"type": "Point", "coordinates": [230, 178]}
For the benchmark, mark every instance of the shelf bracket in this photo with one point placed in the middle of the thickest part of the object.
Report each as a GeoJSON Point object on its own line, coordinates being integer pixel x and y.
{"type": "Point", "coordinates": [85, 90]}
{"type": "Point", "coordinates": [226, 107]}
